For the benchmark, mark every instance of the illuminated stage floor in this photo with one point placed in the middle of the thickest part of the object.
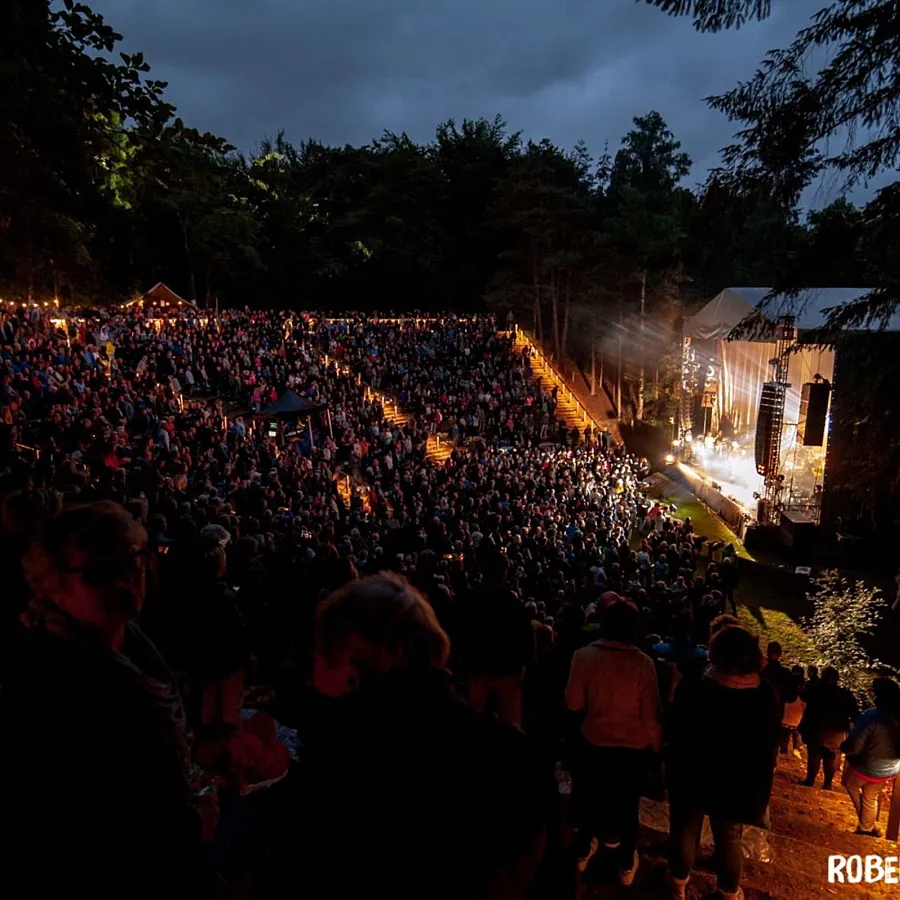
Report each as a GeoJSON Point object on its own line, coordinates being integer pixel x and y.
{"type": "Point", "coordinates": [733, 502]}
{"type": "Point", "coordinates": [734, 475]}
{"type": "Point", "coordinates": [739, 492]}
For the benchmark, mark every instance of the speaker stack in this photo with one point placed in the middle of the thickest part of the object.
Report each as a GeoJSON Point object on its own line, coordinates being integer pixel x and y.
{"type": "Point", "coordinates": [813, 413]}
{"type": "Point", "coordinates": [768, 426]}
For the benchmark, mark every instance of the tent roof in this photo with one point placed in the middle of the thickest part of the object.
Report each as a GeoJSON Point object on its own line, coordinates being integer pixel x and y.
{"type": "Point", "coordinates": [162, 293]}
{"type": "Point", "coordinates": [289, 404]}
{"type": "Point", "coordinates": [810, 307]}
{"type": "Point", "coordinates": [718, 318]}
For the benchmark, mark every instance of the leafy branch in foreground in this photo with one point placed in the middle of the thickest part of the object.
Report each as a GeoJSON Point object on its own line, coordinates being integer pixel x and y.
{"type": "Point", "coordinates": [716, 15]}
{"type": "Point", "coordinates": [843, 613]}
{"type": "Point", "coordinates": [828, 104]}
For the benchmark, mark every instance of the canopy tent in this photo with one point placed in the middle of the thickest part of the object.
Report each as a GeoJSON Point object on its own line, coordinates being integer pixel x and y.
{"type": "Point", "coordinates": [289, 405]}
{"type": "Point", "coordinates": [737, 305]}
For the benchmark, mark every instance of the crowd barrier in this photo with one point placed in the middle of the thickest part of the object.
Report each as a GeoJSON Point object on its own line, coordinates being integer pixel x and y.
{"type": "Point", "coordinates": [730, 511]}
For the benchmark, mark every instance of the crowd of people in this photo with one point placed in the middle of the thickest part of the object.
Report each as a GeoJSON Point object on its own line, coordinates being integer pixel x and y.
{"type": "Point", "coordinates": [456, 380]}
{"type": "Point", "coordinates": [224, 670]}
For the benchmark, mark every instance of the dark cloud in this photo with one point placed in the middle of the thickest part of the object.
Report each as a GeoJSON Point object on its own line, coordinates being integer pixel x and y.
{"type": "Point", "coordinates": [344, 70]}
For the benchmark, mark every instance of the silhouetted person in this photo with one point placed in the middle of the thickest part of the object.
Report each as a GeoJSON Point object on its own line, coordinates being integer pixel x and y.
{"type": "Point", "coordinates": [830, 711]}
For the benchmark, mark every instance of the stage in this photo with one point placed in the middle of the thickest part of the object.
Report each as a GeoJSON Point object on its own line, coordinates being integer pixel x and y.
{"type": "Point", "coordinates": [752, 426]}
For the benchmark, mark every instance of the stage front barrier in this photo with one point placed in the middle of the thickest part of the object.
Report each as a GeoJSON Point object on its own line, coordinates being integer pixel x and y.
{"type": "Point", "coordinates": [730, 511]}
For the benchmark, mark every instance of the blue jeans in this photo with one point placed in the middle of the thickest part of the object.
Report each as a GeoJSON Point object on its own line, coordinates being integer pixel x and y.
{"type": "Point", "coordinates": [684, 835]}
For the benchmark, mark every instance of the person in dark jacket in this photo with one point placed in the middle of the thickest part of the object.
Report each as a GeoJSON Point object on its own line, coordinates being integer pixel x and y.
{"type": "Point", "coordinates": [725, 730]}
{"type": "Point", "coordinates": [217, 640]}
{"type": "Point", "coordinates": [96, 768]}
{"type": "Point", "coordinates": [729, 574]}
{"type": "Point", "coordinates": [776, 674]}
{"type": "Point", "coordinates": [434, 798]}
{"type": "Point", "coordinates": [830, 710]}
{"type": "Point", "coordinates": [496, 642]}
{"type": "Point", "coordinates": [873, 753]}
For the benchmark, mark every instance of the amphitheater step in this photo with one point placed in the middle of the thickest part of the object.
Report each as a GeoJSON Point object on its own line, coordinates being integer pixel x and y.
{"type": "Point", "coordinates": [438, 450]}
{"type": "Point", "coordinates": [567, 410]}
{"type": "Point", "coordinates": [807, 826]}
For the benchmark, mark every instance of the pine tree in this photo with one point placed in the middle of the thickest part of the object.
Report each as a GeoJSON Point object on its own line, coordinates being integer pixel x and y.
{"type": "Point", "coordinates": [799, 124]}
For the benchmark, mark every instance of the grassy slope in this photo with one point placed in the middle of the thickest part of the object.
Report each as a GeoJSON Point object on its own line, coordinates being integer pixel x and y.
{"type": "Point", "coordinates": [687, 505]}
{"type": "Point", "coordinates": [769, 612]}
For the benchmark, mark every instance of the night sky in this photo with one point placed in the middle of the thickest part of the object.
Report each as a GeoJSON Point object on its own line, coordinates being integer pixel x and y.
{"type": "Point", "coordinates": [343, 71]}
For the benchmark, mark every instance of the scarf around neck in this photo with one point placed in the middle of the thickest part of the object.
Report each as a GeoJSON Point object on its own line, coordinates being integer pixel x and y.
{"type": "Point", "coordinates": [735, 682]}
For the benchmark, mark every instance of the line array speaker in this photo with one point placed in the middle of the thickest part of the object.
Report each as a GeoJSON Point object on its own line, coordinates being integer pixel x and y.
{"type": "Point", "coordinates": [770, 402]}
{"type": "Point", "coordinates": [813, 413]}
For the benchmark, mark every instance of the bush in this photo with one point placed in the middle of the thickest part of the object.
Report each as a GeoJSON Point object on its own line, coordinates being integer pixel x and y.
{"type": "Point", "coordinates": [843, 613]}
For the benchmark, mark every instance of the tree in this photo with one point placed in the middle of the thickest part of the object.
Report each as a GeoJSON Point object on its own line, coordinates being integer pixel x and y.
{"type": "Point", "coordinates": [739, 239]}
{"type": "Point", "coordinates": [400, 216]}
{"type": "Point", "coordinates": [545, 209]}
{"type": "Point", "coordinates": [833, 253]}
{"type": "Point", "coordinates": [196, 203]}
{"type": "Point", "coordinates": [309, 203]}
{"type": "Point", "coordinates": [65, 103]}
{"type": "Point", "coordinates": [648, 211]}
{"type": "Point", "coordinates": [472, 158]}
{"type": "Point", "coordinates": [841, 120]}
{"type": "Point", "coordinates": [714, 15]}
{"type": "Point", "coordinates": [843, 613]}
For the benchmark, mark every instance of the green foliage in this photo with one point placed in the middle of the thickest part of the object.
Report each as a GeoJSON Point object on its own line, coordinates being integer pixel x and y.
{"type": "Point", "coordinates": [647, 211]}
{"type": "Point", "coordinates": [715, 15]}
{"type": "Point", "coordinates": [844, 612]}
{"type": "Point", "coordinates": [799, 124]}
{"type": "Point", "coordinates": [103, 191]}
{"type": "Point", "coordinates": [740, 239]}
{"type": "Point", "coordinates": [648, 217]}
{"type": "Point", "coordinates": [63, 150]}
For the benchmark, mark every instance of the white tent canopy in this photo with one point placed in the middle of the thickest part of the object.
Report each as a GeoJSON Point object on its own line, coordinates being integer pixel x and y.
{"type": "Point", "coordinates": [719, 317]}
{"type": "Point", "coordinates": [810, 307]}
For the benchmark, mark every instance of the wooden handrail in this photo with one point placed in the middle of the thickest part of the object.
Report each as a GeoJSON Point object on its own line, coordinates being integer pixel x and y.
{"type": "Point", "coordinates": [586, 415]}
{"type": "Point", "coordinates": [893, 825]}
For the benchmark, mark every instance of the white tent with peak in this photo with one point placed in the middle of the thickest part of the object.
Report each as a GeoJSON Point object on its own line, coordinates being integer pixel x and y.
{"type": "Point", "coordinates": [735, 305]}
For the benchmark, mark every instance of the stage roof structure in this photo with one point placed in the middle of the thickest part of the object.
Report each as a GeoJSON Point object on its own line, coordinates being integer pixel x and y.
{"type": "Point", "coordinates": [716, 320]}
{"type": "Point", "coordinates": [735, 305]}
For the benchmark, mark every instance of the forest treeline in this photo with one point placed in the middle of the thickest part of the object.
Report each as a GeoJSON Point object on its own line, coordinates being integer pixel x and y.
{"type": "Point", "coordinates": [105, 191]}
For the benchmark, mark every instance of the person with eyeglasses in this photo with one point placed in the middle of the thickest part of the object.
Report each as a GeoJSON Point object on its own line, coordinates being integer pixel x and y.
{"type": "Point", "coordinates": [95, 756]}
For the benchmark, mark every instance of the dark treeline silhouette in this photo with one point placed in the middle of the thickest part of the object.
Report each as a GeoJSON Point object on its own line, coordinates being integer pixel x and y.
{"type": "Point", "coordinates": [105, 192]}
